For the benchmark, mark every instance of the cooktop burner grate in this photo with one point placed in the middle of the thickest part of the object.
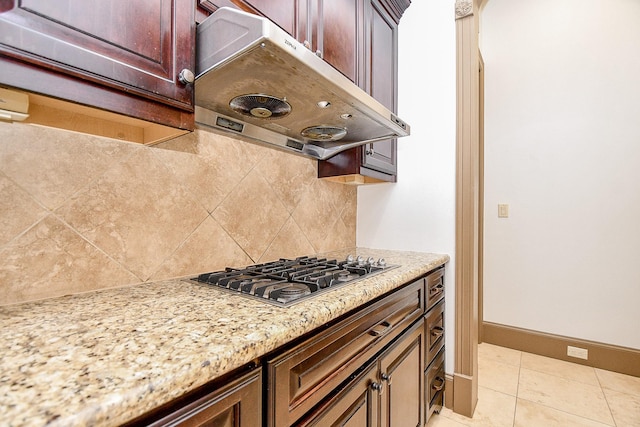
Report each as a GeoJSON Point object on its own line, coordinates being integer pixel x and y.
{"type": "Point", "coordinates": [288, 281]}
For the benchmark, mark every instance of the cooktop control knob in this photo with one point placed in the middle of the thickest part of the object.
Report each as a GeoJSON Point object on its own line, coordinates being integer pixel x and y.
{"type": "Point", "coordinates": [382, 262]}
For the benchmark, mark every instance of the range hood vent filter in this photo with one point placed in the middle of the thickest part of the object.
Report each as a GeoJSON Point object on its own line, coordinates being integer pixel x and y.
{"type": "Point", "coordinates": [254, 80]}
{"type": "Point", "coordinates": [324, 133]}
{"type": "Point", "coordinates": [261, 106]}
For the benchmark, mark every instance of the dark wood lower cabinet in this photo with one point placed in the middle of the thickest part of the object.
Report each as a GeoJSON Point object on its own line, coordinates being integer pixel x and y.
{"type": "Point", "coordinates": [434, 348]}
{"type": "Point", "coordinates": [303, 377]}
{"type": "Point", "coordinates": [381, 365]}
{"type": "Point", "coordinates": [387, 392]}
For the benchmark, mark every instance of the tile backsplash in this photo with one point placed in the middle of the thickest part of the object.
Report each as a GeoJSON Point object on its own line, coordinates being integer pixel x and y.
{"type": "Point", "coordinates": [80, 213]}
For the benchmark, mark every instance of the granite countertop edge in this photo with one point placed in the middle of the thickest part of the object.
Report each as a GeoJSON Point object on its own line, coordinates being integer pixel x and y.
{"type": "Point", "coordinates": [106, 357]}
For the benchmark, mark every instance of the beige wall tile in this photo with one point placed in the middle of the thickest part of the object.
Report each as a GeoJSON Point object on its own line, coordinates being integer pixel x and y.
{"type": "Point", "coordinates": [208, 248]}
{"type": "Point", "coordinates": [210, 180]}
{"type": "Point", "coordinates": [252, 215]}
{"type": "Point", "coordinates": [338, 236]}
{"type": "Point", "coordinates": [291, 179]}
{"type": "Point", "coordinates": [289, 243]}
{"type": "Point", "coordinates": [121, 213]}
{"type": "Point", "coordinates": [319, 210]}
{"type": "Point", "coordinates": [136, 212]}
{"type": "Point", "coordinates": [18, 211]}
{"type": "Point", "coordinates": [350, 212]}
{"type": "Point", "coordinates": [51, 259]}
{"type": "Point", "coordinates": [51, 165]}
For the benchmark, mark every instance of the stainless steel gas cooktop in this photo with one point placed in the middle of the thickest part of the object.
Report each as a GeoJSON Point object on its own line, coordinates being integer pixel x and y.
{"type": "Point", "coordinates": [287, 281]}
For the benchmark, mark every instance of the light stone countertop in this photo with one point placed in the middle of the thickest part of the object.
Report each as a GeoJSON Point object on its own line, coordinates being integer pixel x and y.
{"type": "Point", "coordinates": [106, 357]}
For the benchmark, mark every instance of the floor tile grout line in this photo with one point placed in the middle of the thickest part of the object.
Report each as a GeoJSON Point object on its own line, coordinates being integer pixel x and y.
{"type": "Point", "coordinates": [515, 411]}
{"type": "Point", "coordinates": [605, 396]}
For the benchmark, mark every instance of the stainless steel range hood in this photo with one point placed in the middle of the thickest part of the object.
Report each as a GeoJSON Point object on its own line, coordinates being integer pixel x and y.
{"type": "Point", "coordinates": [257, 82]}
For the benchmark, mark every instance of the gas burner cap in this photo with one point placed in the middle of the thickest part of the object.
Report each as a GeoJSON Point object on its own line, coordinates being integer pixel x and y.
{"type": "Point", "coordinates": [292, 293]}
{"type": "Point", "coordinates": [324, 133]}
{"type": "Point", "coordinates": [347, 276]}
{"type": "Point", "coordinates": [260, 106]}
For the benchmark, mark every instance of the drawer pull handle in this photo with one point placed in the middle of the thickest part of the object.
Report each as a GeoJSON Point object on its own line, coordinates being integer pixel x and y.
{"type": "Point", "coordinates": [437, 331]}
{"type": "Point", "coordinates": [435, 290]}
{"type": "Point", "coordinates": [377, 387]}
{"type": "Point", "coordinates": [438, 387]}
{"type": "Point", "coordinates": [380, 329]}
{"type": "Point", "coordinates": [386, 378]}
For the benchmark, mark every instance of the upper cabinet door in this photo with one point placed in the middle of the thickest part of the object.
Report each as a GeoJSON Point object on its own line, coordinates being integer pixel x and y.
{"type": "Point", "coordinates": [139, 46]}
{"type": "Point", "coordinates": [377, 71]}
{"type": "Point", "coordinates": [334, 30]}
{"type": "Point", "coordinates": [382, 80]}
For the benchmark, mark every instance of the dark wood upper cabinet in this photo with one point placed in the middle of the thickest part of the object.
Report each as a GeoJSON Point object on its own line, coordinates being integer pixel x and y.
{"type": "Point", "coordinates": [382, 81]}
{"type": "Point", "coordinates": [126, 57]}
{"type": "Point", "coordinates": [378, 52]}
{"type": "Point", "coordinates": [120, 55]}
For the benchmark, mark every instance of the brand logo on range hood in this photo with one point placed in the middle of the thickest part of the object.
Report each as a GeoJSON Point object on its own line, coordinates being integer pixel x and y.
{"type": "Point", "coordinates": [240, 55]}
{"type": "Point", "coordinates": [288, 43]}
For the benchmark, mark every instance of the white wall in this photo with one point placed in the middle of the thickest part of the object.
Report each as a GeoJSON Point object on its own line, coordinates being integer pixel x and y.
{"type": "Point", "coordinates": [562, 147]}
{"type": "Point", "coordinates": [418, 212]}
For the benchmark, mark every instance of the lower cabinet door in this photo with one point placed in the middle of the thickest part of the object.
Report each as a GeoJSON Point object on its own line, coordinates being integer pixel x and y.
{"type": "Point", "coordinates": [355, 405]}
{"type": "Point", "coordinates": [401, 369]}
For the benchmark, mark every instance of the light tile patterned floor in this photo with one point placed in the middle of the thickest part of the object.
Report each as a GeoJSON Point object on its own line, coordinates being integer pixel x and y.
{"type": "Point", "coordinates": [518, 389]}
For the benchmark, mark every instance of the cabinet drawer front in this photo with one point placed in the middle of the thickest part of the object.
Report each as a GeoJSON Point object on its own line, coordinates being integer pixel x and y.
{"type": "Point", "coordinates": [238, 403]}
{"type": "Point", "coordinates": [304, 375]}
{"type": "Point", "coordinates": [434, 381]}
{"type": "Point", "coordinates": [435, 287]}
{"type": "Point", "coordinates": [434, 330]}
{"type": "Point", "coordinates": [436, 405]}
